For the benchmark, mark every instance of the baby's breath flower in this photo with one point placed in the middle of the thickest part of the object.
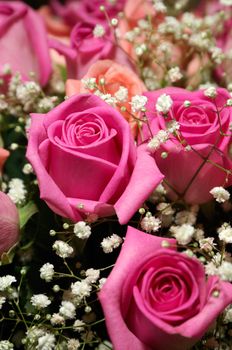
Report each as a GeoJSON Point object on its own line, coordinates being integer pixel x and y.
{"type": "Point", "coordinates": [164, 103]}
{"type": "Point", "coordinates": [40, 301]}
{"type": "Point", "coordinates": [82, 230]}
{"type": "Point", "coordinates": [62, 249]}
{"type": "Point", "coordinates": [6, 281]}
{"type": "Point", "coordinates": [67, 309]}
{"type": "Point", "coordinates": [89, 83]}
{"type": "Point", "coordinates": [225, 233]}
{"type": "Point", "coordinates": [175, 74]}
{"type": "Point", "coordinates": [102, 281]}
{"type": "Point", "coordinates": [210, 92]}
{"type": "Point", "coordinates": [73, 344]}
{"type": "Point", "coordinates": [57, 319]}
{"type": "Point", "coordinates": [207, 244]}
{"type": "Point", "coordinates": [161, 137]}
{"type": "Point", "coordinates": [99, 31]}
{"type": "Point", "coordinates": [220, 194]}
{"type": "Point", "coordinates": [225, 271]}
{"type": "Point", "coordinates": [27, 169]}
{"type": "Point", "coordinates": [47, 272]}
{"type": "Point", "coordinates": [92, 275]}
{"type": "Point", "coordinates": [81, 289]}
{"type": "Point", "coordinates": [185, 217]}
{"type": "Point", "coordinates": [6, 345]}
{"type": "Point", "coordinates": [183, 233]}
{"type": "Point", "coordinates": [46, 342]}
{"type": "Point", "coordinates": [138, 103]}
{"type": "Point", "coordinates": [17, 191]}
{"type": "Point", "coordinates": [108, 244]}
{"type": "Point", "coordinates": [79, 326]}
{"type": "Point", "coordinates": [122, 94]}
{"type": "Point", "coordinates": [150, 223]}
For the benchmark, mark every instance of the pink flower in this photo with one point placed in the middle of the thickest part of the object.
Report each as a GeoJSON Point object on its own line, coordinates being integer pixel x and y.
{"type": "Point", "coordinates": [86, 161]}
{"type": "Point", "coordinates": [9, 223]}
{"type": "Point", "coordinates": [23, 41]}
{"type": "Point", "coordinates": [157, 298]}
{"type": "Point", "coordinates": [86, 11]}
{"type": "Point", "coordinates": [4, 154]}
{"type": "Point", "coordinates": [196, 156]}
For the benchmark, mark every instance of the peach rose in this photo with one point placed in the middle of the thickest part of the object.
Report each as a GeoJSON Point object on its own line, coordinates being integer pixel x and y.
{"type": "Point", "coordinates": [115, 77]}
{"type": "Point", "coordinates": [4, 154]}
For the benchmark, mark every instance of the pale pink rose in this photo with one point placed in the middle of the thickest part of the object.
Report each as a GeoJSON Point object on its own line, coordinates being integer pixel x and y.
{"type": "Point", "coordinates": [86, 11]}
{"type": "Point", "coordinates": [157, 298]}
{"type": "Point", "coordinates": [23, 41]}
{"type": "Point", "coordinates": [4, 154]}
{"type": "Point", "coordinates": [186, 170]}
{"type": "Point", "coordinates": [86, 161]}
{"type": "Point", "coordinates": [115, 76]}
{"type": "Point", "coordinates": [9, 223]}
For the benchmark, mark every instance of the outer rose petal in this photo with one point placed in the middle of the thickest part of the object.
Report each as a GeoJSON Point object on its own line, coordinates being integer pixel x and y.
{"type": "Point", "coordinates": [4, 154]}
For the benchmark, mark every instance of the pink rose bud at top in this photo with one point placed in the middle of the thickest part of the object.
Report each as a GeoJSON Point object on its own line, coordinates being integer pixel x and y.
{"type": "Point", "coordinates": [23, 42]}
{"type": "Point", "coordinates": [4, 154]}
{"type": "Point", "coordinates": [9, 223]}
{"type": "Point", "coordinates": [157, 298]}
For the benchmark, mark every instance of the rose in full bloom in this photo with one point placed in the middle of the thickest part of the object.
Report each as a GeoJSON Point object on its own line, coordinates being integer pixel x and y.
{"type": "Point", "coordinates": [86, 11]}
{"type": "Point", "coordinates": [86, 160]}
{"type": "Point", "coordinates": [157, 298]}
{"type": "Point", "coordinates": [193, 159]}
{"type": "Point", "coordinates": [23, 41]}
{"type": "Point", "coordinates": [116, 78]}
{"type": "Point", "coordinates": [4, 154]}
{"type": "Point", "coordinates": [9, 223]}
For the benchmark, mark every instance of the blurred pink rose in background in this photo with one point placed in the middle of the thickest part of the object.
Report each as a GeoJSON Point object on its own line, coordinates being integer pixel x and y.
{"type": "Point", "coordinates": [115, 77]}
{"type": "Point", "coordinates": [4, 154]}
{"type": "Point", "coordinates": [104, 171]}
{"type": "Point", "coordinates": [23, 41]}
{"type": "Point", "coordinates": [187, 170]}
{"type": "Point", "coordinates": [9, 223]}
{"type": "Point", "coordinates": [157, 298]}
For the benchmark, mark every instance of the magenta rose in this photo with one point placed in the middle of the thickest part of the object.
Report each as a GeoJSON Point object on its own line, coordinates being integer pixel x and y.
{"type": "Point", "coordinates": [86, 161]}
{"type": "Point", "coordinates": [196, 157]}
{"type": "Point", "coordinates": [86, 11]}
{"type": "Point", "coordinates": [23, 41]}
{"type": "Point", "coordinates": [157, 298]}
{"type": "Point", "coordinates": [9, 223]}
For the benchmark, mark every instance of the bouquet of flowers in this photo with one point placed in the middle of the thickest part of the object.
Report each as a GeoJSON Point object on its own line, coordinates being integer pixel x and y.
{"type": "Point", "coordinates": [115, 175]}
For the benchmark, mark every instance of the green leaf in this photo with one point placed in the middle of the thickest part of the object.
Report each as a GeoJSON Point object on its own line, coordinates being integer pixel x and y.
{"type": "Point", "coordinates": [26, 212]}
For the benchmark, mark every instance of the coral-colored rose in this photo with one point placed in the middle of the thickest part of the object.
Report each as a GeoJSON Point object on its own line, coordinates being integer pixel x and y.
{"type": "Point", "coordinates": [86, 11]}
{"type": "Point", "coordinates": [156, 298]}
{"type": "Point", "coordinates": [9, 223]}
{"type": "Point", "coordinates": [23, 41]}
{"type": "Point", "coordinates": [4, 154]}
{"type": "Point", "coordinates": [196, 156]}
{"type": "Point", "coordinates": [85, 159]}
{"type": "Point", "coordinates": [115, 77]}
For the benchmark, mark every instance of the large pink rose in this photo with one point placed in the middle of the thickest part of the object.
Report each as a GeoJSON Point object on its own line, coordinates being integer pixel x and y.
{"type": "Point", "coordinates": [9, 223]}
{"type": "Point", "coordinates": [86, 11]}
{"type": "Point", "coordinates": [156, 298]}
{"type": "Point", "coordinates": [196, 156]}
{"type": "Point", "coordinates": [23, 41]}
{"type": "Point", "coordinates": [86, 161]}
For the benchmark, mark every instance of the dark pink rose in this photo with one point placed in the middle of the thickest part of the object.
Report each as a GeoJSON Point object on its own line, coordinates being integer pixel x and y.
{"type": "Point", "coordinates": [86, 48]}
{"type": "Point", "coordinates": [196, 156]}
{"type": "Point", "coordinates": [23, 41]}
{"type": "Point", "coordinates": [86, 161]}
{"type": "Point", "coordinates": [86, 11]}
{"type": "Point", "coordinates": [9, 223]}
{"type": "Point", "coordinates": [156, 298]}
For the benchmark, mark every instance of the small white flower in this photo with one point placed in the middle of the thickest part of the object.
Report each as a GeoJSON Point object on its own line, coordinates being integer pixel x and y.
{"type": "Point", "coordinates": [220, 194]}
{"type": "Point", "coordinates": [99, 31]}
{"type": "Point", "coordinates": [211, 269]}
{"type": "Point", "coordinates": [62, 249]}
{"type": "Point", "coordinates": [108, 244]}
{"type": "Point", "coordinates": [185, 217]}
{"type": "Point", "coordinates": [6, 345]}
{"type": "Point", "coordinates": [207, 244]}
{"type": "Point", "coordinates": [164, 103]}
{"type": "Point", "coordinates": [102, 281]}
{"type": "Point", "coordinates": [173, 126]}
{"type": "Point", "coordinates": [89, 83]}
{"type": "Point", "coordinates": [211, 92]}
{"type": "Point", "coordinates": [47, 272]}
{"type": "Point", "coordinates": [81, 289]}
{"type": "Point", "coordinates": [122, 94]}
{"type": "Point", "coordinates": [17, 191]}
{"type": "Point", "coordinates": [27, 169]}
{"type": "Point", "coordinates": [175, 74]}
{"type": "Point", "coordinates": [79, 326]}
{"type": "Point", "coordinates": [161, 137]}
{"type": "Point", "coordinates": [225, 233]}
{"type": "Point", "coordinates": [183, 233]}
{"type": "Point", "coordinates": [140, 49]}
{"type": "Point", "coordinates": [160, 7]}
{"type": "Point", "coordinates": [67, 309]}
{"type": "Point", "coordinates": [73, 344]}
{"type": "Point", "coordinates": [2, 301]}
{"type": "Point", "coordinates": [92, 275]}
{"type": "Point", "coordinates": [150, 223]}
{"type": "Point", "coordinates": [57, 319]}
{"type": "Point", "coordinates": [6, 281]}
{"type": "Point", "coordinates": [40, 301]}
{"type": "Point", "coordinates": [46, 342]}
{"type": "Point", "coordinates": [138, 103]}
{"type": "Point", "coordinates": [82, 230]}
{"type": "Point", "coordinates": [225, 271]}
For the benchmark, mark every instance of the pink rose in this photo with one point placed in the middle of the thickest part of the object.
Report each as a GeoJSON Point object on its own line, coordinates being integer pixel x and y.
{"type": "Point", "coordinates": [86, 11]}
{"type": "Point", "coordinates": [157, 298]}
{"type": "Point", "coordinates": [87, 48]}
{"type": "Point", "coordinates": [115, 77]}
{"type": "Point", "coordinates": [23, 41]}
{"type": "Point", "coordinates": [9, 223]}
{"type": "Point", "coordinates": [196, 156]}
{"type": "Point", "coordinates": [4, 154]}
{"type": "Point", "coordinates": [85, 159]}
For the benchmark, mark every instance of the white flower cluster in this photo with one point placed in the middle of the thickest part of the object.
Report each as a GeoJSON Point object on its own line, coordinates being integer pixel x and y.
{"type": "Point", "coordinates": [47, 272]}
{"type": "Point", "coordinates": [99, 31]}
{"type": "Point", "coordinates": [17, 191]}
{"type": "Point", "coordinates": [220, 194]}
{"type": "Point", "coordinates": [225, 233]}
{"type": "Point", "coordinates": [108, 244]}
{"type": "Point", "coordinates": [174, 74]}
{"type": "Point", "coordinates": [40, 301]}
{"type": "Point", "coordinates": [161, 137]}
{"type": "Point", "coordinates": [62, 249]}
{"type": "Point", "coordinates": [6, 345]}
{"type": "Point", "coordinates": [150, 223]}
{"type": "Point", "coordinates": [138, 103]}
{"type": "Point", "coordinates": [6, 281]}
{"type": "Point", "coordinates": [164, 103]}
{"type": "Point", "coordinates": [183, 233]}
{"type": "Point", "coordinates": [82, 230]}
{"type": "Point", "coordinates": [67, 309]}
